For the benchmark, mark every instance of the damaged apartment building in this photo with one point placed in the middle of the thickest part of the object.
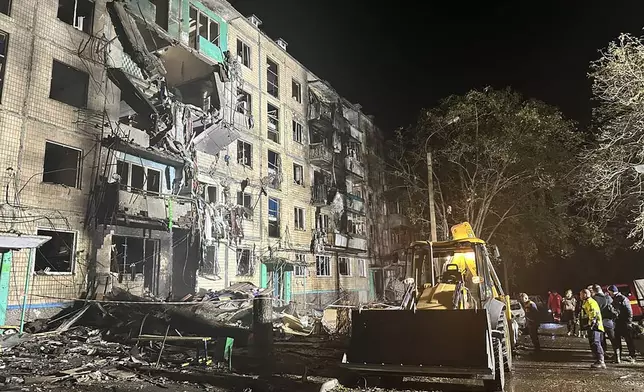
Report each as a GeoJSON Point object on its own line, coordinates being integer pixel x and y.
{"type": "Point", "coordinates": [170, 146]}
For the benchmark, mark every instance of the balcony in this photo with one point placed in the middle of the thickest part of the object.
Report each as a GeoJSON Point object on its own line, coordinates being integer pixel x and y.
{"type": "Point", "coordinates": [355, 204]}
{"type": "Point", "coordinates": [397, 220]}
{"type": "Point", "coordinates": [354, 168]}
{"type": "Point", "coordinates": [345, 242]}
{"type": "Point", "coordinates": [319, 154]}
{"type": "Point", "coordinates": [319, 194]}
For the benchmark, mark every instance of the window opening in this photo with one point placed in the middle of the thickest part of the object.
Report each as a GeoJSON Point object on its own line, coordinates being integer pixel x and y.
{"type": "Point", "coordinates": [299, 218]}
{"type": "Point", "coordinates": [272, 78]}
{"type": "Point", "coordinates": [57, 254]}
{"type": "Point", "coordinates": [322, 265]}
{"type": "Point", "coordinates": [273, 217]}
{"type": "Point", "coordinates": [62, 165]}
{"type": "Point", "coordinates": [77, 13]}
{"type": "Point", "coordinates": [68, 85]}
{"type": "Point", "coordinates": [344, 266]}
{"type": "Point", "coordinates": [244, 153]}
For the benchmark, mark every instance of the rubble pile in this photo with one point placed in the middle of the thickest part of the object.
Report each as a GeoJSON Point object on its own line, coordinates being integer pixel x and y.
{"type": "Point", "coordinates": [125, 338]}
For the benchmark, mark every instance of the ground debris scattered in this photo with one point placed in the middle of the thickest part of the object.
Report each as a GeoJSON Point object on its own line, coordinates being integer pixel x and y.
{"type": "Point", "coordinates": [151, 343]}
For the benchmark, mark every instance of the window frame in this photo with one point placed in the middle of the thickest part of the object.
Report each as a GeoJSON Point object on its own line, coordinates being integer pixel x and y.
{"type": "Point", "coordinates": [9, 6]}
{"type": "Point", "coordinates": [210, 21]}
{"type": "Point", "coordinates": [3, 59]}
{"type": "Point", "coordinates": [79, 165]}
{"type": "Point", "coordinates": [85, 93]}
{"type": "Point", "coordinates": [243, 143]}
{"type": "Point", "coordinates": [298, 129]}
{"type": "Point", "coordinates": [242, 45]}
{"type": "Point", "coordinates": [128, 186]}
{"type": "Point", "coordinates": [319, 259]}
{"type": "Point", "coordinates": [251, 256]}
{"type": "Point", "coordinates": [275, 121]}
{"type": "Point", "coordinates": [362, 268]}
{"type": "Point", "coordinates": [299, 271]}
{"type": "Point", "coordinates": [301, 169]}
{"type": "Point", "coordinates": [90, 28]}
{"type": "Point", "coordinates": [241, 108]}
{"type": "Point", "coordinates": [276, 216]}
{"type": "Point", "coordinates": [347, 262]}
{"type": "Point", "coordinates": [72, 262]}
{"type": "Point", "coordinates": [299, 218]}
{"type": "Point", "coordinates": [296, 91]}
{"type": "Point", "coordinates": [272, 88]}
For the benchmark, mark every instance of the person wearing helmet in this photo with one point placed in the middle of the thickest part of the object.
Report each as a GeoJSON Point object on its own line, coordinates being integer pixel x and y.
{"type": "Point", "coordinates": [594, 327]}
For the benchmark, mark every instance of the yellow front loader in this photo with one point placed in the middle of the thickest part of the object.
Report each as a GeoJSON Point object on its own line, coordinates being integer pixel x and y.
{"type": "Point", "coordinates": [455, 325]}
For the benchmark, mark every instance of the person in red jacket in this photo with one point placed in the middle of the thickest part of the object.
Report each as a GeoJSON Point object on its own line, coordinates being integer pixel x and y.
{"type": "Point", "coordinates": [554, 305]}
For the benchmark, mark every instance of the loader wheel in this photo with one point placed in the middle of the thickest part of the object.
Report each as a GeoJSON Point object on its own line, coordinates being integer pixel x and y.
{"type": "Point", "coordinates": [498, 383]}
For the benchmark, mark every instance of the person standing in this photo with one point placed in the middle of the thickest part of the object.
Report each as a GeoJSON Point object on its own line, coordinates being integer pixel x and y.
{"type": "Point", "coordinates": [568, 306]}
{"type": "Point", "coordinates": [554, 305]}
{"type": "Point", "coordinates": [609, 314]}
{"type": "Point", "coordinates": [531, 320]}
{"type": "Point", "coordinates": [623, 324]}
{"type": "Point", "coordinates": [594, 326]}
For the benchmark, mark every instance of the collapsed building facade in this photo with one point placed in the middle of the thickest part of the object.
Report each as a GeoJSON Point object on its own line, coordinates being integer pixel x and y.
{"type": "Point", "coordinates": [170, 146]}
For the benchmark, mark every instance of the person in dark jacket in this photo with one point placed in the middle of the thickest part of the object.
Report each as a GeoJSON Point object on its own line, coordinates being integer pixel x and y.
{"type": "Point", "coordinates": [623, 324]}
{"type": "Point", "coordinates": [605, 303]}
{"type": "Point", "coordinates": [531, 320]}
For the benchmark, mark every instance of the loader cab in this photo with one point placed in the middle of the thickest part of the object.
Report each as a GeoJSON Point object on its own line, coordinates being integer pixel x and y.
{"type": "Point", "coordinates": [438, 267]}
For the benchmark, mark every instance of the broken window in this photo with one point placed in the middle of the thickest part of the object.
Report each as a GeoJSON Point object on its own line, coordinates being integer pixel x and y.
{"type": "Point", "coordinates": [78, 13]}
{"type": "Point", "coordinates": [298, 174]}
{"type": "Point", "coordinates": [62, 165]}
{"type": "Point", "coordinates": [344, 266]}
{"type": "Point", "coordinates": [57, 254]}
{"type": "Point", "coordinates": [138, 178]}
{"type": "Point", "coordinates": [201, 25]}
{"type": "Point", "coordinates": [362, 268]}
{"type": "Point", "coordinates": [297, 132]}
{"type": "Point", "coordinates": [209, 266]}
{"type": "Point", "coordinates": [322, 222]}
{"type": "Point", "coordinates": [210, 193]}
{"type": "Point", "coordinates": [5, 7]}
{"type": "Point", "coordinates": [245, 199]}
{"type": "Point", "coordinates": [68, 85]}
{"type": "Point", "coordinates": [296, 91]}
{"type": "Point", "coordinates": [272, 78]}
{"type": "Point", "coordinates": [244, 262]}
{"type": "Point", "coordinates": [273, 217]}
{"type": "Point", "coordinates": [4, 39]}
{"type": "Point", "coordinates": [243, 51]}
{"type": "Point", "coordinates": [323, 265]}
{"type": "Point", "coordinates": [274, 169]}
{"type": "Point", "coordinates": [355, 225]}
{"type": "Point", "coordinates": [244, 153]}
{"type": "Point", "coordinates": [243, 102]}
{"type": "Point", "coordinates": [132, 255]}
{"type": "Point", "coordinates": [298, 213]}
{"type": "Point", "coordinates": [162, 13]}
{"type": "Point", "coordinates": [300, 270]}
{"type": "Point", "coordinates": [273, 123]}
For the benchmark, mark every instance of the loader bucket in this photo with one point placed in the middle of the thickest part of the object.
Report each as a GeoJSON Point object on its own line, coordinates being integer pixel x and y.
{"type": "Point", "coordinates": [449, 343]}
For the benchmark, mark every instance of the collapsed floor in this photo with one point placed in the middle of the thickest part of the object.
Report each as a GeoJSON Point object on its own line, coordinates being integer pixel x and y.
{"type": "Point", "coordinates": [127, 343]}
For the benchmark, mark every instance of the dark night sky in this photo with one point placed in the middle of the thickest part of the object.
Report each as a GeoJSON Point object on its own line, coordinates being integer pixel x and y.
{"type": "Point", "coordinates": [398, 57]}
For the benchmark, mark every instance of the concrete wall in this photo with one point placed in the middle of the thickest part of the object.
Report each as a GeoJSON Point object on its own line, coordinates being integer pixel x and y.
{"type": "Point", "coordinates": [29, 118]}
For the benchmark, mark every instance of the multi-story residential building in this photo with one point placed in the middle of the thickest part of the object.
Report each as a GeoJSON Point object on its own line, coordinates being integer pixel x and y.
{"type": "Point", "coordinates": [170, 146]}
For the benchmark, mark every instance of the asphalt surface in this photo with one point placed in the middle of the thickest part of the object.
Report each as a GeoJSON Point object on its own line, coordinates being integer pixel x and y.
{"type": "Point", "coordinates": [562, 366]}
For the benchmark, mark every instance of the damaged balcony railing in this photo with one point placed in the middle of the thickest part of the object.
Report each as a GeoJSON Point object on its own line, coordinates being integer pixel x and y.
{"type": "Point", "coordinates": [355, 204]}
{"type": "Point", "coordinates": [320, 154]}
{"type": "Point", "coordinates": [354, 167]}
{"type": "Point", "coordinates": [319, 194]}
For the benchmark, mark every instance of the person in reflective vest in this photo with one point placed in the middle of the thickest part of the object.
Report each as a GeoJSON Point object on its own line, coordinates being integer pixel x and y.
{"type": "Point", "coordinates": [594, 326]}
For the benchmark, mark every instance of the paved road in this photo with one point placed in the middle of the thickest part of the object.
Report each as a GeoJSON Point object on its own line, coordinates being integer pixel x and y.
{"type": "Point", "coordinates": [563, 366]}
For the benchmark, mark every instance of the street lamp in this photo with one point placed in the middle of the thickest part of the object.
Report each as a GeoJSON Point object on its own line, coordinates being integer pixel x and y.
{"type": "Point", "coordinates": [430, 184]}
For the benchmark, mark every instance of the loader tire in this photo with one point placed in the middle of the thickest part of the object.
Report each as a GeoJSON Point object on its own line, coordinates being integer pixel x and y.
{"type": "Point", "coordinates": [498, 383]}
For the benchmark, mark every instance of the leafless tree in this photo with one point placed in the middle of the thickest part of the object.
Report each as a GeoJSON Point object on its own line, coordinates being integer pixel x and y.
{"type": "Point", "coordinates": [611, 179]}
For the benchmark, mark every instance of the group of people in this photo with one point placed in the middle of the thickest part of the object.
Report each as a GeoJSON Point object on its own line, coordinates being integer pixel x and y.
{"type": "Point", "coordinates": [598, 315]}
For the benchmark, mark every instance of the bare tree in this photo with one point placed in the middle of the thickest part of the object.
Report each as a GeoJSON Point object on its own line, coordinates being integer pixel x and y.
{"type": "Point", "coordinates": [611, 179]}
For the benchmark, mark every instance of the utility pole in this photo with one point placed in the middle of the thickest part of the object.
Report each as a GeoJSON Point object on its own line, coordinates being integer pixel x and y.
{"type": "Point", "coordinates": [430, 194]}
